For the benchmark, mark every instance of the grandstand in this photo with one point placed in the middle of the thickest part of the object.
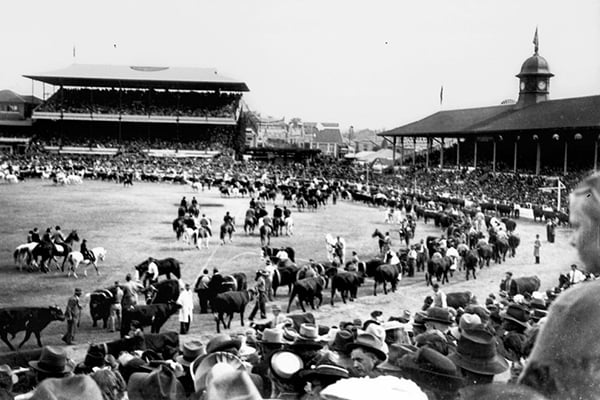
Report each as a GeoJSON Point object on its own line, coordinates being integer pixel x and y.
{"type": "Point", "coordinates": [159, 110]}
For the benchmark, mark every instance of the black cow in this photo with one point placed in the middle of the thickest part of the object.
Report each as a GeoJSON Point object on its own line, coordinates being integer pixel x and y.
{"type": "Point", "coordinates": [153, 315]}
{"type": "Point", "coordinates": [100, 302]}
{"type": "Point", "coordinates": [163, 292]}
{"type": "Point", "coordinates": [485, 251]}
{"type": "Point", "coordinates": [383, 274]}
{"type": "Point", "coordinates": [457, 300]}
{"type": "Point", "coordinates": [346, 283]}
{"type": "Point", "coordinates": [165, 344]}
{"type": "Point", "coordinates": [513, 243]}
{"type": "Point", "coordinates": [527, 284]}
{"type": "Point", "coordinates": [28, 319]}
{"type": "Point", "coordinates": [510, 224]}
{"type": "Point", "coordinates": [284, 276]}
{"type": "Point", "coordinates": [470, 260]}
{"type": "Point", "coordinates": [230, 303]}
{"type": "Point", "coordinates": [271, 253]}
{"type": "Point", "coordinates": [370, 267]}
{"type": "Point", "coordinates": [438, 266]}
{"type": "Point", "coordinates": [307, 290]}
{"type": "Point", "coordinates": [165, 266]}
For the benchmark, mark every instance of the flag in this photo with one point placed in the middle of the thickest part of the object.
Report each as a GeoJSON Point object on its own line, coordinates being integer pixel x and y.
{"type": "Point", "coordinates": [536, 42]}
{"type": "Point", "coordinates": [441, 94]}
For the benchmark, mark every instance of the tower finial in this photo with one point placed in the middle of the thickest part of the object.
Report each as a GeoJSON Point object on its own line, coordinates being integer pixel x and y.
{"type": "Point", "coordinates": [536, 43]}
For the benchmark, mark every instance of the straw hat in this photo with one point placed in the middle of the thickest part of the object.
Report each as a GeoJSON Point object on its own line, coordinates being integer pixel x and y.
{"type": "Point", "coordinates": [272, 336]}
{"type": "Point", "coordinates": [191, 350]}
{"type": "Point", "coordinates": [234, 385]}
{"type": "Point", "coordinates": [285, 364]}
{"type": "Point", "coordinates": [201, 367]}
{"type": "Point", "coordinates": [308, 338]}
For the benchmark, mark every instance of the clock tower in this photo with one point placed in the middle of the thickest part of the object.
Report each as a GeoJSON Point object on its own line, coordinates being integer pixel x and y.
{"type": "Point", "coordinates": [534, 80]}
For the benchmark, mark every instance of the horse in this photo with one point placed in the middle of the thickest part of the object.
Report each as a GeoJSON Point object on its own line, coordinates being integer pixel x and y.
{"type": "Point", "coordinates": [201, 237]}
{"type": "Point", "coordinates": [22, 254]}
{"type": "Point", "coordinates": [49, 251]}
{"type": "Point", "coordinates": [250, 222]}
{"type": "Point", "coordinates": [75, 258]}
{"type": "Point", "coordinates": [227, 229]}
{"type": "Point", "coordinates": [382, 244]}
{"type": "Point", "coordinates": [265, 235]}
{"type": "Point", "coordinates": [178, 227]}
{"type": "Point", "coordinates": [165, 266]}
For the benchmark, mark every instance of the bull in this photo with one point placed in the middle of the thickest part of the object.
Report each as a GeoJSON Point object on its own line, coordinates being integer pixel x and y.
{"type": "Point", "coordinates": [307, 290]}
{"type": "Point", "coordinates": [346, 283]}
{"type": "Point", "coordinates": [383, 274]}
{"type": "Point", "coordinates": [230, 303]}
{"type": "Point", "coordinates": [153, 315]}
{"type": "Point", "coordinates": [28, 319]}
{"type": "Point", "coordinates": [162, 292]}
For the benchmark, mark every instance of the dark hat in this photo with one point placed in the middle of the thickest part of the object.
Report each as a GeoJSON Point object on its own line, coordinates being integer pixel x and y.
{"type": "Point", "coordinates": [94, 357]}
{"type": "Point", "coordinates": [479, 356]}
{"type": "Point", "coordinates": [160, 384]}
{"type": "Point", "coordinates": [222, 342]}
{"type": "Point", "coordinates": [516, 313]}
{"type": "Point", "coordinates": [342, 339]}
{"type": "Point", "coordinates": [191, 350]}
{"type": "Point", "coordinates": [482, 312]}
{"type": "Point", "coordinates": [431, 370]}
{"type": "Point", "coordinates": [538, 314]}
{"type": "Point", "coordinates": [405, 317]}
{"type": "Point", "coordinates": [439, 314]}
{"type": "Point", "coordinates": [53, 361]}
{"type": "Point", "coordinates": [419, 319]}
{"type": "Point", "coordinates": [370, 343]}
{"type": "Point", "coordinates": [396, 352]}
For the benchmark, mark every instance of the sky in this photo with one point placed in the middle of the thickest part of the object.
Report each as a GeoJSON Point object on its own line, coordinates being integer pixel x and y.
{"type": "Point", "coordinates": [367, 64]}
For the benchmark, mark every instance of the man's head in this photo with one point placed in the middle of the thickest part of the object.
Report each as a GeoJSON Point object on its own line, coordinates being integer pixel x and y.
{"type": "Point", "coordinates": [363, 361]}
{"type": "Point", "coordinates": [509, 275]}
{"type": "Point", "coordinates": [436, 287]}
{"type": "Point", "coordinates": [57, 228]}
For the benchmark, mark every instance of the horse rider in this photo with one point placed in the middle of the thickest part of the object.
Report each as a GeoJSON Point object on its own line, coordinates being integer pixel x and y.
{"type": "Point", "coordinates": [205, 223]}
{"type": "Point", "coordinates": [47, 238]}
{"type": "Point", "coordinates": [152, 273]}
{"type": "Point", "coordinates": [252, 203]}
{"type": "Point", "coordinates": [35, 235]}
{"type": "Point", "coordinates": [183, 203]}
{"type": "Point", "coordinates": [58, 236]}
{"type": "Point", "coordinates": [87, 254]}
{"type": "Point", "coordinates": [228, 220]}
{"type": "Point", "coordinates": [194, 201]}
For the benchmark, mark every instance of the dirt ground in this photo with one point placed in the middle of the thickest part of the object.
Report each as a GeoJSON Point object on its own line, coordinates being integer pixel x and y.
{"type": "Point", "coordinates": [134, 223]}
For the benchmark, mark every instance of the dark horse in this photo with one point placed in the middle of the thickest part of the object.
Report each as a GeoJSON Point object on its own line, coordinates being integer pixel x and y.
{"type": "Point", "coordinates": [49, 251]}
{"type": "Point", "coordinates": [227, 229]}
{"type": "Point", "coordinates": [382, 244]}
{"type": "Point", "coordinates": [265, 235]}
{"type": "Point", "coordinates": [165, 266]}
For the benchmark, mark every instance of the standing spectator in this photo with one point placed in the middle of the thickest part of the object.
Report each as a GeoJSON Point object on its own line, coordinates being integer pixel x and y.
{"type": "Point", "coordinates": [130, 291]}
{"type": "Point", "coordinates": [550, 230]}
{"type": "Point", "coordinates": [201, 288]}
{"type": "Point", "coordinates": [186, 300]}
{"type": "Point", "coordinates": [183, 203]}
{"type": "Point", "coordinates": [575, 275]}
{"type": "Point", "coordinates": [439, 297]}
{"type": "Point", "coordinates": [340, 249]}
{"type": "Point", "coordinates": [366, 353]}
{"type": "Point", "coordinates": [270, 269]}
{"type": "Point", "coordinates": [261, 299]}
{"type": "Point", "coordinates": [536, 249]}
{"type": "Point", "coordinates": [72, 315]}
{"type": "Point", "coordinates": [116, 309]}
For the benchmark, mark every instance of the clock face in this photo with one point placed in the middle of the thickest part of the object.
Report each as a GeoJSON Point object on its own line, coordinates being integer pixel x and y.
{"type": "Point", "coordinates": [541, 85]}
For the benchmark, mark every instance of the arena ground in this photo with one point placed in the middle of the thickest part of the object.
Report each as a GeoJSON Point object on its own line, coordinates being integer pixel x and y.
{"type": "Point", "coordinates": [134, 223]}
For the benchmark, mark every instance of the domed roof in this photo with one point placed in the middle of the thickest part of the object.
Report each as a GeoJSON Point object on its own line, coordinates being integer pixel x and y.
{"type": "Point", "coordinates": [535, 65]}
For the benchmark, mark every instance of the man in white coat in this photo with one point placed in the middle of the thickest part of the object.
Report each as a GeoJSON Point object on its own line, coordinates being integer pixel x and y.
{"type": "Point", "coordinates": [186, 300]}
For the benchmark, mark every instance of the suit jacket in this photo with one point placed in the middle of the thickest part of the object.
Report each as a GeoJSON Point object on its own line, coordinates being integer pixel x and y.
{"type": "Point", "coordinates": [73, 311]}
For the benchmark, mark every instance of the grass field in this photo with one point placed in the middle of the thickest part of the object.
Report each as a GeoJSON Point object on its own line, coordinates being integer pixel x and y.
{"type": "Point", "coordinates": [134, 223]}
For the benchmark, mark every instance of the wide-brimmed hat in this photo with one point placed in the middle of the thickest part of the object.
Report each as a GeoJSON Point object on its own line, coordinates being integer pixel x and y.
{"type": "Point", "coordinates": [431, 370]}
{"type": "Point", "coordinates": [342, 339]}
{"type": "Point", "coordinates": [272, 336]}
{"type": "Point", "coordinates": [396, 352]}
{"type": "Point", "coordinates": [52, 361]}
{"type": "Point", "coordinates": [221, 342]}
{"type": "Point", "coordinates": [370, 343]}
{"type": "Point", "coordinates": [73, 387]}
{"type": "Point", "coordinates": [94, 357]}
{"type": "Point", "coordinates": [285, 364]}
{"type": "Point", "coordinates": [467, 322]}
{"type": "Point", "coordinates": [479, 356]}
{"type": "Point", "coordinates": [479, 310]}
{"type": "Point", "coordinates": [160, 384]}
{"type": "Point", "coordinates": [327, 370]}
{"type": "Point", "coordinates": [201, 367]}
{"type": "Point", "coordinates": [234, 384]}
{"type": "Point", "coordinates": [308, 338]}
{"type": "Point", "coordinates": [439, 314]}
{"type": "Point", "coordinates": [419, 319]}
{"type": "Point", "coordinates": [191, 350]}
{"type": "Point", "coordinates": [516, 313]}
{"type": "Point", "coordinates": [405, 317]}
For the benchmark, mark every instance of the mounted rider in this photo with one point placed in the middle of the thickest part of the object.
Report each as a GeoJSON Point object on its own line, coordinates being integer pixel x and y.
{"type": "Point", "coordinates": [85, 252]}
{"type": "Point", "coordinates": [205, 223]}
{"type": "Point", "coordinates": [58, 237]}
{"type": "Point", "coordinates": [228, 220]}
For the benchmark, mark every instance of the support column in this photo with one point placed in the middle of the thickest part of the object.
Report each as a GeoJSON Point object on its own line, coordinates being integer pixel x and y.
{"type": "Point", "coordinates": [538, 157]}
{"type": "Point", "coordinates": [442, 153]}
{"type": "Point", "coordinates": [515, 158]}
{"type": "Point", "coordinates": [458, 153]}
{"type": "Point", "coordinates": [475, 154]}
{"type": "Point", "coordinates": [401, 151]}
{"type": "Point", "coordinates": [414, 150]}
{"type": "Point", "coordinates": [565, 162]}
{"type": "Point", "coordinates": [494, 157]}
{"type": "Point", "coordinates": [427, 153]}
{"type": "Point", "coordinates": [393, 154]}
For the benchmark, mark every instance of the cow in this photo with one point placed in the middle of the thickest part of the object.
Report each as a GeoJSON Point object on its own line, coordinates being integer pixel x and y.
{"type": "Point", "coordinates": [163, 292]}
{"type": "Point", "coordinates": [230, 303]}
{"type": "Point", "coordinates": [458, 300]}
{"type": "Point", "coordinates": [28, 319]}
{"type": "Point", "coordinates": [100, 303]}
{"type": "Point", "coordinates": [346, 283]}
{"type": "Point", "coordinates": [513, 243]}
{"type": "Point", "coordinates": [470, 260]}
{"type": "Point", "coordinates": [485, 252]}
{"type": "Point", "coordinates": [510, 224]}
{"type": "Point", "coordinates": [153, 315]}
{"type": "Point", "coordinates": [307, 290]}
{"type": "Point", "coordinates": [166, 267]}
{"type": "Point", "coordinates": [284, 276]}
{"type": "Point", "coordinates": [438, 266]}
{"type": "Point", "coordinates": [165, 344]}
{"type": "Point", "coordinates": [526, 285]}
{"type": "Point", "coordinates": [370, 267]}
{"type": "Point", "coordinates": [383, 274]}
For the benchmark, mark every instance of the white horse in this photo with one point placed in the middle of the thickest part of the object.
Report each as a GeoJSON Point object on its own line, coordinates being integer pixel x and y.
{"type": "Point", "coordinates": [22, 254]}
{"type": "Point", "coordinates": [289, 226]}
{"type": "Point", "coordinates": [11, 178]}
{"type": "Point", "coordinates": [188, 235]}
{"type": "Point", "coordinates": [75, 258]}
{"type": "Point", "coordinates": [74, 179]}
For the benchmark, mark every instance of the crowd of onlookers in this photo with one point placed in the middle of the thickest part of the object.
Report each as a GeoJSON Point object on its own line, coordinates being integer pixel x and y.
{"type": "Point", "coordinates": [143, 102]}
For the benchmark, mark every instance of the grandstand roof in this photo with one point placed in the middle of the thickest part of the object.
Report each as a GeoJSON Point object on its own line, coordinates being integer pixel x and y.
{"type": "Point", "coordinates": [98, 75]}
{"type": "Point", "coordinates": [574, 113]}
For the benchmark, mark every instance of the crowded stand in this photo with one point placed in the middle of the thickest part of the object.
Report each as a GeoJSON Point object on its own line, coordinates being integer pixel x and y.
{"type": "Point", "coordinates": [143, 102]}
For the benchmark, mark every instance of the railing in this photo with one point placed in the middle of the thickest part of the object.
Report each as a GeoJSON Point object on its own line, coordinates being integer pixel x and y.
{"type": "Point", "coordinates": [134, 118]}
